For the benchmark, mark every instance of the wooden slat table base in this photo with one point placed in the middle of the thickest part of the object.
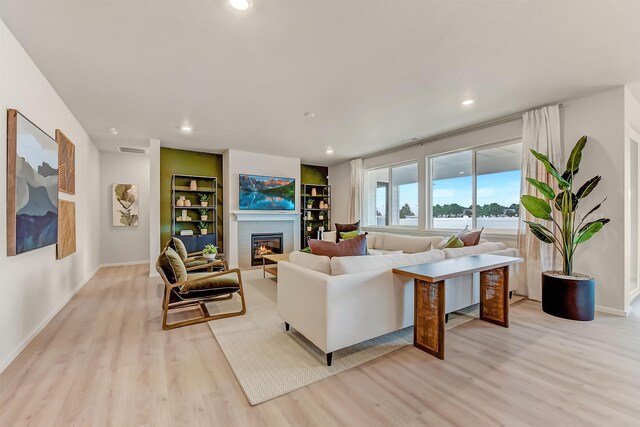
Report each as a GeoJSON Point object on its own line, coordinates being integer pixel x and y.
{"type": "Point", "coordinates": [494, 296]}
{"type": "Point", "coordinates": [428, 330]}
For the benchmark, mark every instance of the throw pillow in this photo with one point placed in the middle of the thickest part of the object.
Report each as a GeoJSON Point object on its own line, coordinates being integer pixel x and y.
{"type": "Point", "coordinates": [452, 242]}
{"type": "Point", "coordinates": [178, 246]}
{"type": "Point", "coordinates": [203, 281]}
{"type": "Point", "coordinates": [349, 234]}
{"type": "Point", "coordinates": [350, 247]}
{"type": "Point", "coordinates": [340, 228]}
{"type": "Point", "coordinates": [470, 237]}
{"type": "Point", "coordinates": [172, 266]}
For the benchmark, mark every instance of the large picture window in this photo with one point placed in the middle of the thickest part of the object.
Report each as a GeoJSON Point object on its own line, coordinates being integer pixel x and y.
{"type": "Point", "coordinates": [476, 188]}
{"type": "Point", "coordinates": [391, 196]}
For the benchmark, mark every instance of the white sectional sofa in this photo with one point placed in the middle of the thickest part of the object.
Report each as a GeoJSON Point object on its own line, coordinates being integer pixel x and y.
{"type": "Point", "coordinates": [342, 301]}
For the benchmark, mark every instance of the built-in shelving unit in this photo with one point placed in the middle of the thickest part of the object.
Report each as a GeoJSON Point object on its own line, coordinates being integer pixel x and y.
{"type": "Point", "coordinates": [316, 211]}
{"type": "Point", "coordinates": [181, 186]}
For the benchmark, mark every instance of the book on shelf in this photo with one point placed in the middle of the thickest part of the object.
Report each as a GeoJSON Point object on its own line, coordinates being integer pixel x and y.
{"type": "Point", "coordinates": [186, 232]}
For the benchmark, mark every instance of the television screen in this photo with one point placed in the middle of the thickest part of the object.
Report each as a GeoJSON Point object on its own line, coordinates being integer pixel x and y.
{"type": "Point", "coordinates": [267, 193]}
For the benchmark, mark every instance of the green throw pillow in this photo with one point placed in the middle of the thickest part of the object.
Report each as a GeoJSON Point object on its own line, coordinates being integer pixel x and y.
{"type": "Point", "coordinates": [454, 242]}
{"type": "Point", "coordinates": [178, 246]}
{"type": "Point", "coordinates": [172, 266]}
{"type": "Point", "coordinates": [306, 250]}
{"type": "Point", "coordinates": [202, 281]}
{"type": "Point", "coordinates": [349, 234]}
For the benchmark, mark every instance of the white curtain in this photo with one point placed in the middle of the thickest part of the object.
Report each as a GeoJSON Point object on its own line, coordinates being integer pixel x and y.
{"type": "Point", "coordinates": [541, 132]}
{"type": "Point", "coordinates": [355, 191]}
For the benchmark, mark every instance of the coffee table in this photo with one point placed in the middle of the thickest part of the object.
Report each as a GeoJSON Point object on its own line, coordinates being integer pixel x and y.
{"type": "Point", "coordinates": [429, 294]}
{"type": "Point", "coordinates": [272, 268]}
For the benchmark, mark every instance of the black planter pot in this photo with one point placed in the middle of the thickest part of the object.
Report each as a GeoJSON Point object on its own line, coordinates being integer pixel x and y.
{"type": "Point", "coordinates": [573, 299]}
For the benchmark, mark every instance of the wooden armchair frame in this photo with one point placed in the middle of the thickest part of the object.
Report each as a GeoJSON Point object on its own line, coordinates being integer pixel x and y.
{"type": "Point", "coordinates": [185, 301]}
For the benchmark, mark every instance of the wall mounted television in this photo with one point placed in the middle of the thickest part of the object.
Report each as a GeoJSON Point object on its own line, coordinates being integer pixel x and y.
{"type": "Point", "coordinates": [267, 193]}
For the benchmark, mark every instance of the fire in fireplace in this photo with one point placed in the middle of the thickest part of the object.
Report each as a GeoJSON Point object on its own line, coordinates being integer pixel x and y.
{"type": "Point", "coordinates": [265, 244]}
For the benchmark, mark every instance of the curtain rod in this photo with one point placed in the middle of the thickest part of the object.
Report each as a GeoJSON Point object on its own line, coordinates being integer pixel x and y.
{"type": "Point", "coordinates": [478, 126]}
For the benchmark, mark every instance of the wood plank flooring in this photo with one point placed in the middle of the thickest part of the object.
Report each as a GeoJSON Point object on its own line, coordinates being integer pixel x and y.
{"type": "Point", "coordinates": [105, 361]}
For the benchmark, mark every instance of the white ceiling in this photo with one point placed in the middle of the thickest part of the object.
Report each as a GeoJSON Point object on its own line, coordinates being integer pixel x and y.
{"type": "Point", "coordinates": [375, 73]}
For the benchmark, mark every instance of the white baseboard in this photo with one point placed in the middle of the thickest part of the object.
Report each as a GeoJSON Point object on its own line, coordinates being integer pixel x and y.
{"type": "Point", "coordinates": [614, 311]}
{"type": "Point", "coordinates": [11, 357]}
{"type": "Point", "coordinates": [120, 264]}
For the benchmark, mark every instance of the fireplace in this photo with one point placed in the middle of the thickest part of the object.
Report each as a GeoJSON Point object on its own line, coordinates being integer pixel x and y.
{"type": "Point", "coordinates": [264, 244]}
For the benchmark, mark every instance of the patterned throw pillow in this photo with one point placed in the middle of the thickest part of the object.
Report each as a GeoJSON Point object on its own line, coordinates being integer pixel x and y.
{"type": "Point", "coordinates": [350, 247]}
{"type": "Point", "coordinates": [470, 237]}
{"type": "Point", "coordinates": [340, 228]}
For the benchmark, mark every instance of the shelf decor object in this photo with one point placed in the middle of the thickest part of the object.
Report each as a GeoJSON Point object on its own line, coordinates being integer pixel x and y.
{"type": "Point", "coordinates": [197, 225]}
{"type": "Point", "coordinates": [316, 215]}
{"type": "Point", "coordinates": [32, 186]}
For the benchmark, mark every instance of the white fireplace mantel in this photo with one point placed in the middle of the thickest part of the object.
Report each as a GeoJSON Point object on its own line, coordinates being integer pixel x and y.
{"type": "Point", "coordinates": [266, 215]}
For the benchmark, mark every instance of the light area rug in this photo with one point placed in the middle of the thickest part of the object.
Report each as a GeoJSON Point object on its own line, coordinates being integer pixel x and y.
{"type": "Point", "coordinates": [269, 362]}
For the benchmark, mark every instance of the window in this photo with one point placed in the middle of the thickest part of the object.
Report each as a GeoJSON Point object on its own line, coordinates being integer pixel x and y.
{"type": "Point", "coordinates": [476, 188]}
{"type": "Point", "coordinates": [391, 196]}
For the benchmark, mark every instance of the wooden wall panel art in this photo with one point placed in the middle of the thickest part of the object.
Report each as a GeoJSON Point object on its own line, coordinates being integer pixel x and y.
{"type": "Point", "coordinates": [66, 228]}
{"type": "Point", "coordinates": [66, 163]}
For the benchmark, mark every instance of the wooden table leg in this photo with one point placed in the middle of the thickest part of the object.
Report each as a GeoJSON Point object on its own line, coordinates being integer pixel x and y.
{"type": "Point", "coordinates": [428, 317]}
{"type": "Point", "coordinates": [494, 296]}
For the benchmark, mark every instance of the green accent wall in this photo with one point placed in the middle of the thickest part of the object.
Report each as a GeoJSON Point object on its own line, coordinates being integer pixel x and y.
{"type": "Point", "coordinates": [310, 174]}
{"type": "Point", "coordinates": [174, 161]}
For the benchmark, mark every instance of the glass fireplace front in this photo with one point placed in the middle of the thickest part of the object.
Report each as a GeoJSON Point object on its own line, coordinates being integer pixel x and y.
{"type": "Point", "coordinates": [265, 244]}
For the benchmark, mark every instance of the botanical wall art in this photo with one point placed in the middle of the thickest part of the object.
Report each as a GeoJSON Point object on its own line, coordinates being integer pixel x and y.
{"type": "Point", "coordinates": [66, 163]}
{"type": "Point", "coordinates": [125, 205]}
{"type": "Point", "coordinates": [32, 186]}
{"type": "Point", "coordinates": [66, 229]}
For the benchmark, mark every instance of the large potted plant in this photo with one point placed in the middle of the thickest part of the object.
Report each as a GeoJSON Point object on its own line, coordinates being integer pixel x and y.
{"type": "Point", "coordinates": [565, 293]}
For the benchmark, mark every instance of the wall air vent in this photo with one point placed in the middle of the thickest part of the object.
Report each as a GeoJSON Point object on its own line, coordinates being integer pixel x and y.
{"type": "Point", "coordinates": [132, 150]}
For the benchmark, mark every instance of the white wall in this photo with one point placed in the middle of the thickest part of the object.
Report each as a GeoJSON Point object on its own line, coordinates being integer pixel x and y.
{"type": "Point", "coordinates": [236, 162]}
{"type": "Point", "coordinates": [35, 285]}
{"type": "Point", "coordinates": [601, 117]}
{"type": "Point", "coordinates": [121, 245]}
{"type": "Point", "coordinates": [632, 243]}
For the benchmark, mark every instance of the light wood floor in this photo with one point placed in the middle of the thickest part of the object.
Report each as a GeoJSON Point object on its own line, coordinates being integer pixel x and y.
{"type": "Point", "coordinates": [104, 360]}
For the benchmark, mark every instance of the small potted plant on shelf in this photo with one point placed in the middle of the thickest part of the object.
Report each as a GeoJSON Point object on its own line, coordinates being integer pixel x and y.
{"type": "Point", "coordinates": [209, 252]}
{"type": "Point", "coordinates": [204, 199]}
{"type": "Point", "coordinates": [203, 227]}
{"type": "Point", "coordinates": [204, 214]}
{"type": "Point", "coordinates": [309, 228]}
{"type": "Point", "coordinates": [321, 215]}
{"type": "Point", "coordinates": [565, 293]}
{"type": "Point", "coordinates": [309, 204]}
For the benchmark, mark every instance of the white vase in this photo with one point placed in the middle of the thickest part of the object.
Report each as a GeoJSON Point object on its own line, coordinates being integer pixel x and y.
{"type": "Point", "coordinates": [180, 202]}
{"type": "Point", "coordinates": [313, 192]}
{"type": "Point", "coordinates": [187, 203]}
{"type": "Point", "coordinates": [193, 185]}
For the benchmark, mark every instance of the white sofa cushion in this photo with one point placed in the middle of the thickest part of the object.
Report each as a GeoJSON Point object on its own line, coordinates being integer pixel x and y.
{"type": "Point", "coordinates": [356, 264]}
{"type": "Point", "coordinates": [319, 263]}
{"type": "Point", "coordinates": [408, 244]}
{"type": "Point", "coordinates": [472, 250]}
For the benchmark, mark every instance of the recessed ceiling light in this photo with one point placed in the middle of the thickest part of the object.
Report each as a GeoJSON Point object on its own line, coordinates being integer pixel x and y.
{"type": "Point", "coordinates": [113, 131]}
{"type": "Point", "coordinates": [310, 115]}
{"type": "Point", "coordinates": [329, 150]}
{"type": "Point", "coordinates": [186, 128]}
{"type": "Point", "coordinates": [468, 102]}
{"type": "Point", "coordinates": [241, 5]}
